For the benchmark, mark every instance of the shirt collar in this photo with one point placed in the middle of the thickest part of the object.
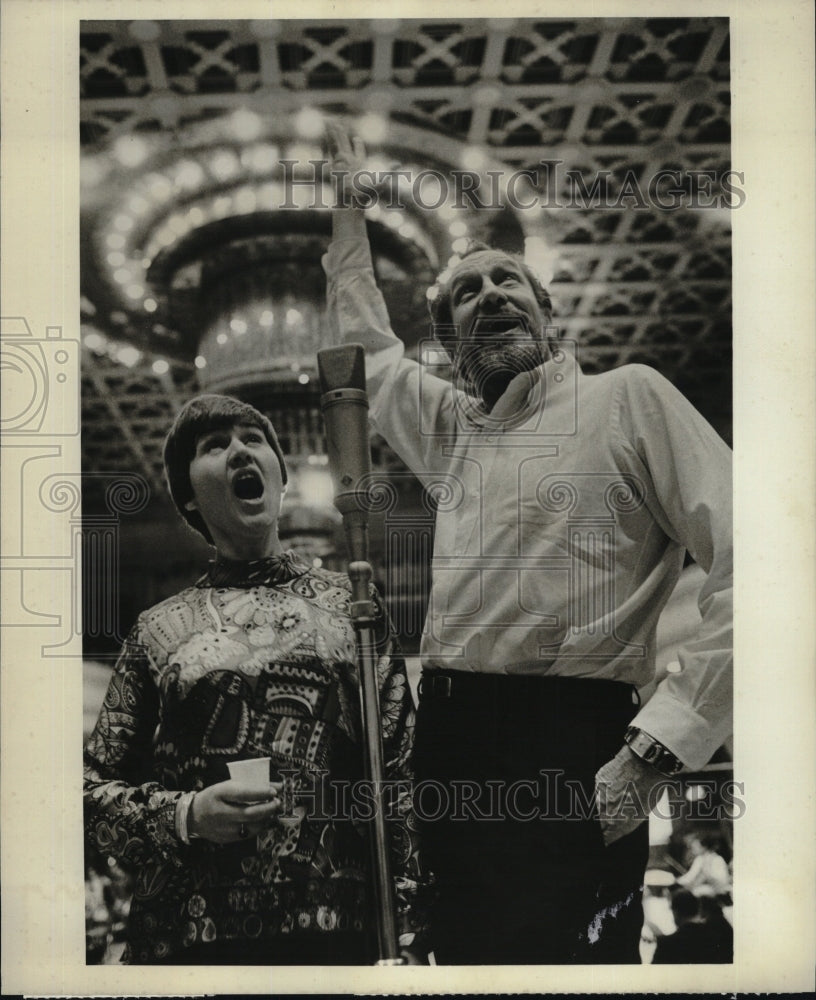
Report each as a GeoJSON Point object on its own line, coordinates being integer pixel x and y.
{"type": "Point", "coordinates": [270, 571]}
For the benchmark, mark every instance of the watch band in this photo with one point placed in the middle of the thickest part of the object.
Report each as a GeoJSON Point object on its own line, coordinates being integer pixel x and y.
{"type": "Point", "coordinates": [649, 750]}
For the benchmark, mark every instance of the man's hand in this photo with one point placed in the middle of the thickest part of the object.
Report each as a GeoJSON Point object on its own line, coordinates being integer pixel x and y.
{"type": "Point", "coordinates": [229, 811]}
{"type": "Point", "coordinates": [346, 152]}
{"type": "Point", "coordinates": [624, 786]}
{"type": "Point", "coordinates": [346, 156]}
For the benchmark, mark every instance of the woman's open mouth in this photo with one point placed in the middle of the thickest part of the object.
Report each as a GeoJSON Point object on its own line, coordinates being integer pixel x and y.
{"type": "Point", "coordinates": [247, 485]}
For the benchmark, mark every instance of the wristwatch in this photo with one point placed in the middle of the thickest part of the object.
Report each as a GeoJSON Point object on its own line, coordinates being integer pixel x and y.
{"type": "Point", "coordinates": [648, 749]}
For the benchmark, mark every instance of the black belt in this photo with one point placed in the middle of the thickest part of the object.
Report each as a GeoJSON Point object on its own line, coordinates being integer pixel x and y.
{"type": "Point", "coordinates": [460, 684]}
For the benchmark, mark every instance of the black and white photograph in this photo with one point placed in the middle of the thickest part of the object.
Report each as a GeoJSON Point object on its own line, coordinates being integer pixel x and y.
{"type": "Point", "coordinates": [388, 474]}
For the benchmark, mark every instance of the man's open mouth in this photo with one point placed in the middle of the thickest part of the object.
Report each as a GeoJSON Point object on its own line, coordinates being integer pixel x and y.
{"type": "Point", "coordinates": [247, 485]}
{"type": "Point", "coordinates": [497, 326]}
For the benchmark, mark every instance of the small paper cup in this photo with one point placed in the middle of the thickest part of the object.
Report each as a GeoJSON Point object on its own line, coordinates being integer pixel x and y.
{"type": "Point", "coordinates": [253, 773]}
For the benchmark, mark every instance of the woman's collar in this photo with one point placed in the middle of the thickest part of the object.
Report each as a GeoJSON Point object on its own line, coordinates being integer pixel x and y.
{"type": "Point", "coordinates": [268, 571]}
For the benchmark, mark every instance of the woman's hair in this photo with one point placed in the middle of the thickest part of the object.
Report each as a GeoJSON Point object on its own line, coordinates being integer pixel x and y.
{"type": "Point", "coordinates": [201, 415]}
{"type": "Point", "coordinates": [440, 304]}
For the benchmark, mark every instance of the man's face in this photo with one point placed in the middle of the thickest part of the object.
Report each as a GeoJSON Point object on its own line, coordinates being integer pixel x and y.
{"type": "Point", "coordinates": [500, 323]}
{"type": "Point", "coordinates": [237, 488]}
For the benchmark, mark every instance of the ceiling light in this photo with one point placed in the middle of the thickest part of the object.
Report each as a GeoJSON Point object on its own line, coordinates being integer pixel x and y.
{"type": "Point", "coordinates": [316, 486]}
{"type": "Point", "coordinates": [222, 206]}
{"type": "Point", "coordinates": [137, 205]}
{"type": "Point", "coordinates": [372, 127]}
{"type": "Point", "coordinates": [167, 107]}
{"type": "Point", "coordinates": [189, 174]}
{"type": "Point", "coordinates": [245, 124]}
{"type": "Point", "coordinates": [130, 150]}
{"type": "Point", "coordinates": [178, 224]}
{"type": "Point", "coordinates": [260, 158]}
{"type": "Point", "coordinates": [94, 341]}
{"type": "Point", "coordinates": [144, 31]}
{"type": "Point", "coordinates": [246, 201]}
{"type": "Point", "coordinates": [92, 171]}
{"type": "Point", "coordinates": [224, 164]}
{"type": "Point", "coordinates": [309, 123]}
{"type": "Point", "coordinates": [385, 25]}
{"type": "Point", "coordinates": [486, 95]}
{"type": "Point", "coordinates": [539, 257]}
{"type": "Point", "coordinates": [128, 356]}
{"type": "Point", "coordinates": [160, 187]}
{"type": "Point", "coordinates": [473, 158]}
{"type": "Point", "coordinates": [264, 29]}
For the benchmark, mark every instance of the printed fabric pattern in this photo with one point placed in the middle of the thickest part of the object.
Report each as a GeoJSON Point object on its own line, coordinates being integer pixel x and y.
{"type": "Point", "coordinates": [256, 659]}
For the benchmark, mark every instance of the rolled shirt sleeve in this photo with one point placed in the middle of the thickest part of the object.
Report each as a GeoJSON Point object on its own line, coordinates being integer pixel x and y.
{"type": "Point", "coordinates": [689, 467]}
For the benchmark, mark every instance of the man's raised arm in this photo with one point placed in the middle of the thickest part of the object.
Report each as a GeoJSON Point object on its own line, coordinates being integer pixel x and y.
{"type": "Point", "coordinates": [357, 313]}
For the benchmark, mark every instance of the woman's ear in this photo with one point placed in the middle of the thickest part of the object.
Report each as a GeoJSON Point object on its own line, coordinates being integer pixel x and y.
{"type": "Point", "coordinates": [191, 505]}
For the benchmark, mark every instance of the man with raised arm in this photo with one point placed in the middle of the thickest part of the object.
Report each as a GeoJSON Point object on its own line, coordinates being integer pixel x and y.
{"type": "Point", "coordinates": [568, 504]}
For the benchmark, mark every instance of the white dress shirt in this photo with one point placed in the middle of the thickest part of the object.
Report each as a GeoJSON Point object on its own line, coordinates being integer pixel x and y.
{"type": "Point", "coordinates": [563, 518]}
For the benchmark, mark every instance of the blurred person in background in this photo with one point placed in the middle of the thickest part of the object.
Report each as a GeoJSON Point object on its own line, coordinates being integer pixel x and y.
{"type": "Point", "coordinates": [698, 939]}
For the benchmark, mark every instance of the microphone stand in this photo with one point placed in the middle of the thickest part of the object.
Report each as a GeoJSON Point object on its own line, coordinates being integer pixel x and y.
{"type": "Point", "coordinates": [345, 406]}
{"type": "Point", "coordinates": [362, 617]}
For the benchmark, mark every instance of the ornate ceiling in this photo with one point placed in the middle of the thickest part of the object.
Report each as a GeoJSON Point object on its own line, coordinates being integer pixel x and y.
{"type": "Point", "coordinates": [616, 131]}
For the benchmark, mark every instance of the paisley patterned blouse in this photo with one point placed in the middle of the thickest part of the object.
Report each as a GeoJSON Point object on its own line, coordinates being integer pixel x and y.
{"type": "Point", "coordinates": [255, 659]}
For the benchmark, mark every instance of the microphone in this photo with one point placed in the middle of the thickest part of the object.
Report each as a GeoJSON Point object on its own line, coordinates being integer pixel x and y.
{"type": "Point", "coordinates": [344, 403]}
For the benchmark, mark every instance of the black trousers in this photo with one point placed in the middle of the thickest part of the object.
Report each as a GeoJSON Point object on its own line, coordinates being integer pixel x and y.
{"type": "Point", "coordinates": [505, 770]}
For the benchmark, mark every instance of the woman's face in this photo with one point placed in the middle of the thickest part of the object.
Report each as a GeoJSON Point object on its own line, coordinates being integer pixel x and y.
{"type": "Point", "coordinates": [237, 489]}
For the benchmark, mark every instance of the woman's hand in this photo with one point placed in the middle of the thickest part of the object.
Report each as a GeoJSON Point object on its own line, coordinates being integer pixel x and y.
{"type": "Point", "coordinates": [229, 811]}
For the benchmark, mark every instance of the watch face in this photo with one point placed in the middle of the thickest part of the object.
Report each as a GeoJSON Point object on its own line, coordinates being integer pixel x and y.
{"type": "Point", "coordinates": [654, 753]}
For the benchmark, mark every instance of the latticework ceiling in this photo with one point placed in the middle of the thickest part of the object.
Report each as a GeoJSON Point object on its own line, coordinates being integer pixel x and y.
{"type": "Point", "coordinates": [629, 220]}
